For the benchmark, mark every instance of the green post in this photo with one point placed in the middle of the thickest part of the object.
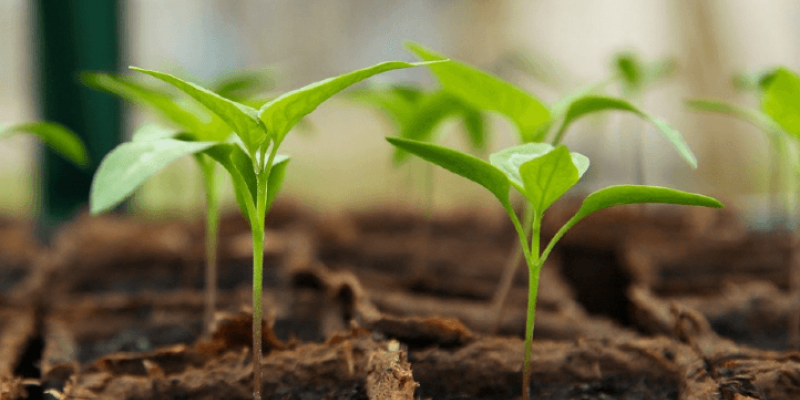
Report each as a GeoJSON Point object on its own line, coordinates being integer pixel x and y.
{"type": "Point", "coordinates": [75, 36]}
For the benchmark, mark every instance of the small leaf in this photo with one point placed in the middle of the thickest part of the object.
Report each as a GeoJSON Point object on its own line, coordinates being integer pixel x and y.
{"type": "Point", "coordinates": [130, 164]}
{"type": "Point", "coordinates": [635, 194]}
{"type": "Point", "coordinates": [546, 178]}
{"type": "Point", "coordinates": [782, 100]}
{"type": "Point", "coordinates": [230, 156]}
{"type": "Point", "coordinates": [630, 70]}
{"type": "Point", "coordinates": [487, 92]}
{"type": "Point", "coordinates": [511, 159]}
{"type": "Point", "coordinates": [241, 118]}
{"type": "Point", "coordinates": [591, 104]}
{"type": "Point", "coordinates": [469, 167]}
{"type": "Point", "coordinates": [276, 175]}
{"type": "Point", "coordinates": [281, 114]}
{"type": "Point", "coordinates": [55, 136]}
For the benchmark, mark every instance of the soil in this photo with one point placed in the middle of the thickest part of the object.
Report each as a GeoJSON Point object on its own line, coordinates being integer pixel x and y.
{"type": "Point", "coordinates": [636, 303]}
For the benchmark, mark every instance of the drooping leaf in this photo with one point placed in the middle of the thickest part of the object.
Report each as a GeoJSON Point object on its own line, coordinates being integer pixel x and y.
{"type": "Point", "coordinates": [281, 114]}
{"type": "Point", "coordinates": [160, 101]}
{"type": "Point", "coordinates": [782, 100]}
{"type": "Point", "coordinates": [276, 175]}
{"type": "Point", "coordinates": [511, 159]}
{"type": "Point", "coordinates": [488, 92]}
{"type": "Point", "coordinates": [546, 178]}
{"type": "Point", "coordinates": [468, 166]}
{"type": "Point", "coordinates": [62, 140]}
{"type": "Point", "coordinates": [635, 194]}
{"type": "Point", "coordinates": [587, 105]}
{"type": "Point", "coordinates": [130, 164]}
{"type": "Point", "coordinates": [760, 120]}
{"type": "Point", "coordinates": [241, 118]}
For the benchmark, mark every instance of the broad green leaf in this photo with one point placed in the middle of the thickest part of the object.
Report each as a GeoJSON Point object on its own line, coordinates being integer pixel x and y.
{"type": "Point", "coordinates": [488, 92]}
{"type": "Point", "coordinates": [130, 164]}
{"type": "Point", "coordinates": [469, 167]}
{"type": "Point", "coordinates": [591, 104]}
{"type": "Point", "coordinates": [241, 118]}
{"type": "Point", "coordinates": [55, 136]}
{"type": "Point", "coordinates": [782, 100]}
{"type": "Point", "coordinates": [281, 114]}
{"type": "Point", "coordinates": [276, 175]}
{"type": "Point", "coordinates": [150, 132]}
{"type": "Point", "coordinates": [634, 194]}
{"type": "Point", "coordinates": [160, 101]}
{"type": "Point", "coordinates": [546, 178]}
{"type": "Point", "coordinates": [511, 159]}
{"type": "Point", "coordinates": [760, 120]}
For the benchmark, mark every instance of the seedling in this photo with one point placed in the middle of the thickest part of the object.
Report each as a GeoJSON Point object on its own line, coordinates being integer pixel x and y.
{"type": "Point", "coordinates": [59, 138]}
{"type": "Point", "coordinates": [192, 124]}
{"type": "Point", "coordinates": [779, 90]}
{"type": "Point", "coordinates": [251, 159]}
{"type": "Point", "coordinates": [535, 122]}
{"type": "Point", "coordinates": [542, 174]}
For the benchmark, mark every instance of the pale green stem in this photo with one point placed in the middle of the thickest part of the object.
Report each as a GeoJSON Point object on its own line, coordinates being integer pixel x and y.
{"type": "Point", "coordinates": [212, 229]}
{"type": "Point", "coordinates": [257, 227]}
{"type": "Point", "coordinates": [509, 271]}
{"type": "Point", "coordinates": [534, 268]}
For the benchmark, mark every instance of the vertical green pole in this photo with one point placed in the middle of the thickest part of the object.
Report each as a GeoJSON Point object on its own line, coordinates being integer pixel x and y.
{"type": "Point", "coordinates": [75, 36]}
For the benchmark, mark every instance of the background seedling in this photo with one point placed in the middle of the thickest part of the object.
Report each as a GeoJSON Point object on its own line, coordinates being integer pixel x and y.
{"type": "Point", "coordinates": [535, 122]}
{"type": "Point", "coordinates": [416, 114]}
{"type": "Point", "coordinates": [779, 93]}
{"type": "Point", "coordinates": [542, 174]}
{"type": "Point", "coordinates": [193, 124]}
{"type": "Point", "coordinates": [251, 159]}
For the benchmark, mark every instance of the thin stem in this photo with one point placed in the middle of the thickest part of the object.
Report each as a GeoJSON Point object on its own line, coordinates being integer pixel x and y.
{"type": "Point", "coordinates": [262, 178]}
{"type": "Point", "coordinates": [534, 267]}
{"type": "Point", "coordinates": [509, 271]}
{"type": "Point", "coordinates": [212, 231]}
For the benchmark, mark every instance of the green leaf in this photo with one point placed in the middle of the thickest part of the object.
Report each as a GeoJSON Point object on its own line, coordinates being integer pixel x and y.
{"type": "Point", "coordinates": [241, 118]}
{"type": "Point", "coordinates": [398, 101]}
{"type": "Point", "coordinates": [487, 92]}
{"type": "Point", "coordinates": [475, 126]}
{"type": "Point", "coordinates": [760, 120]}
{"type": "Point", "coordinates": [62, 140]}
{"type": "Point", "coordinates": [546, 178]}
{"type": "Point", "coordinates": [630, 70]}
{"type": "Point", "coordinates": [150, 132]}
{"type": "Point", "coordinates": [635, 194]}
{"type": "Point", "coordinates": [281, 114]}
{"type": "Point", "coordinates": [430, 111]}
{"type": "Point", "coordinates": [243, 85]}
{"type": "Point", "coordinates": [160, 101]}
{"type": "Point", "coordinates": [782, 100]}
{"type": "Point", "coordinates": [468, 166]}
{"type": "Point", "coordinates": [276, 175]}
{"type": "Point", "coordinates": [130, 164]}
{"type": "Point", "coordinates": [586, 105]}
{"type": "Point", "coordinates": [240, 169]}
{"type": "Point", "coordinates": [511, 159]}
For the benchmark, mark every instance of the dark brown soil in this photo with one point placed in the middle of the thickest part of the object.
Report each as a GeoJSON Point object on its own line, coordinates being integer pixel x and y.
{"type": "Point", "coordinates": [636, 303]}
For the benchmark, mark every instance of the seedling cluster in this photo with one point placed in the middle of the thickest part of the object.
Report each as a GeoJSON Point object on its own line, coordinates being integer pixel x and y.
{"type": "Point", "coordinates": [230, 127]}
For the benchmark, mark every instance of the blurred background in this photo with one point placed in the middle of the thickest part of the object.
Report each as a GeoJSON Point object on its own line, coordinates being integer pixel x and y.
{"type": "Point", "coordinates": [549, 47]}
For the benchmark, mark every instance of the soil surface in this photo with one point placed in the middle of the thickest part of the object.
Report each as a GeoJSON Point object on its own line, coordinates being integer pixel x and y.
{"type": "Point", "coordinates": [635, 303]}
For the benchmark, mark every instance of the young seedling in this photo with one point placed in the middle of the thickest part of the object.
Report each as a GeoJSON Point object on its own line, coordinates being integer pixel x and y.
{"type": "Point", "coordinates": [542, 174]}
{"type": "Point", "coordinates": [251, 159]}
{"type": "Point", "coordinates": [779, 91]}
{"type": "Point", "coordinates": [416, 114]}
{"type": "Point", "coordinates": [193, 124]}
{"type": "Point", "coordinates": [535, 122]}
